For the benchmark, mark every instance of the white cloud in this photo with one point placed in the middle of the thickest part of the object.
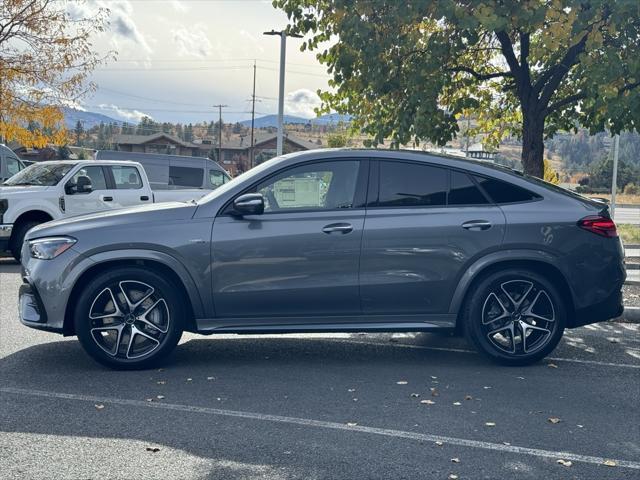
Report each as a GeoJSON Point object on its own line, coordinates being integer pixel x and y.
{"type": "Point", "coordinates": [178, 6]}
{"type": "Point", "coordinates": [254, 41]}
{"type": "Point", "coordinates": [133, 115]}
{"type": "Point", "coordinates": [192, 41]}
{"type": "Point", "coordinates": [302, 103]}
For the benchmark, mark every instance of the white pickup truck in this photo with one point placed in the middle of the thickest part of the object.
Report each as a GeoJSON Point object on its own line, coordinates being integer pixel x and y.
{"type": "Point", "coordinates": [51, 190]}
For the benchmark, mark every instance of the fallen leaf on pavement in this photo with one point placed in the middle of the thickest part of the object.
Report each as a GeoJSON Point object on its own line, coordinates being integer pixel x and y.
{"type": "Point", "coordinates": [553, 420]}
{"type": "Point", "coordinates": [99, 406]}
{"type": "Point", "coordinates": [189, 379]}
{"type": "Point", "coordinates": [486, 388]}
{"type": "Point", "coordinates": [402, 382]}
{"type": "Point", "coordinates": [415, 395]}
{"type": "Point", "coordinates": [552, 365]}
{"type": "Point", "coordinates": [434, 392]}
{"type": "Point", "coordinates": [468, 397]}
{"type": "Point", "coordinates": [351, 390]}
{"type": "Point", "coordinates": [609, 463]}
{"type": "Point", "coordinates": [427, 402]}
{"type": "Point", "coordinates": [160, 397]}
{"type": "Point", "coordinates": [351, 424]}
{"type": "Point", "coordinates": [439, 443]}
{"type": "Point", "coordinates": [457, 404]}
{"type": "Point", "coordinates": [211, 378]}
{"type": "Point", "coordinates": [149, 399]}
{"type": "Point", "coordinates": [433, 378]}
{"type": "Point", "coordinates": [453, 476]}
{"type": "Point", "coordinates": [564, 463]}
{"type": "Point", "coordinates": [490, 424]}
{"type": "Point", "coordinates": [455, 460]}
{"type": "Point", "coordinates": [161, 382]}
{"type": "Point", "coordinates": [152, 449]}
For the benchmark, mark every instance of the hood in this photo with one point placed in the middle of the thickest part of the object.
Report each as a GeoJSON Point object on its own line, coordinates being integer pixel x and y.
{"type": "Point", "coordinates": [8, 191]}
{"type": "Point", "coordinates": [160, 212]}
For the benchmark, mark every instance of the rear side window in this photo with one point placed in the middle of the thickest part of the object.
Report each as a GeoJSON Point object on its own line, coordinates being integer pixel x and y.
{"type": "Point", "coordinates": [410, 185]}
{"type": "Point", "coordinates": [96, 176]}
{"type": "Point", "coordinates": [464, 192]}
{"type": "Point", "coordinates": [13, 166]}
{"type": "Point", "coordinates": [504, 192]}
{"type": "Point", "coordinates": [185, 177]}
{"type": "Point", "coordinates": [126, 178]}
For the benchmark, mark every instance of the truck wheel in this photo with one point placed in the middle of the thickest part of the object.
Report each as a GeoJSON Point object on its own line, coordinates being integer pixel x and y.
{"type": "Point", "coordinates": [17, 237]}
{"type": "Point", "coordinates": [129, 318]}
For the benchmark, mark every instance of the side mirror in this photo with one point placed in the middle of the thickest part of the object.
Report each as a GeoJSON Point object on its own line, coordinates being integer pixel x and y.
{"type": "Point", "coordinates": [83, 184]}
{"type": "Point", "coordinates": [249, 204]}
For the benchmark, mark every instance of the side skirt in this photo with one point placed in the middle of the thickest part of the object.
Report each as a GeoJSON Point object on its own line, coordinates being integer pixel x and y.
{"type": "Point", "coordinates": [369, 323]}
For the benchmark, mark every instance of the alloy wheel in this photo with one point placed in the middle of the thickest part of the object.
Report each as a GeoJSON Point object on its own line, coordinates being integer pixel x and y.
{"type": "Point", "coordinates": [518, 317]}
{"type": "Point", "coordinates": [129, 319]}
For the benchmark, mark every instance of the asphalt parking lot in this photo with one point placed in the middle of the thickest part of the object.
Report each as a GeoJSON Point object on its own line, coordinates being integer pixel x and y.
{"type": "Point", "coordinates": [318, 406]}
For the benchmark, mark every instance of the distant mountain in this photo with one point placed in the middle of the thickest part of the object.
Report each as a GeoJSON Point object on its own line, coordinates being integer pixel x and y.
{"type": "Point", "coordinates": [272, 120]}
{"type": "Point", "coordinates": [88, 119]}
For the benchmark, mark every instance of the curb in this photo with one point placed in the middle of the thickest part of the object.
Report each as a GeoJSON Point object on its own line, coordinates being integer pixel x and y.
{"type": "Point", "coordinates": [630, 315]}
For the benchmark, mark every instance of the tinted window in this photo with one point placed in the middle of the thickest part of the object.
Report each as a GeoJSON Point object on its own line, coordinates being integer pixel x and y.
{"type": "Point", "coordinates": [95, 174]}
{"type": "Point", "coordinates": [409, 184]}
{"type": "Point", "coordinates": [217, 178]}
{"type": "Point", "coordinates": [126, 178]}
{"type": "Point", "coordinates": [463, 191]}
{"type": "Point", "coordinates": [186, 177]}
{"type": "Point", "coordinates": [13, 166]}
{"type": "Point", "coordinates": [503, 192]}
{"type": "Point", "coordinates": [320, 186]}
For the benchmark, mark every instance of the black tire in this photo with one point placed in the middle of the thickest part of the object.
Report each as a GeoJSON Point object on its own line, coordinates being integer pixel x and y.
{"type": "Point", "coordinates": [17, 237]}
{"type": "Point", "coordinates": [498, 333]}
{"type": "Point", "coordinates": [98, 295]}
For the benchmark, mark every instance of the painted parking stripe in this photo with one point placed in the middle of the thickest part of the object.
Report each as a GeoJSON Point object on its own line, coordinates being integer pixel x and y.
{"type": "Point", "coordinates": [424, 437]}
{"type": "Point", "coordinates": [462, 350]}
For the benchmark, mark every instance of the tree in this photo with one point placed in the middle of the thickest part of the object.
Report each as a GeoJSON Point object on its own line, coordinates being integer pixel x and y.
{"type": "Point", "coordinates": [408, 71]}
{"type": "Point", "coordinates": [79, 130]}
{"type": "Point", "coordinates": [45, 58]}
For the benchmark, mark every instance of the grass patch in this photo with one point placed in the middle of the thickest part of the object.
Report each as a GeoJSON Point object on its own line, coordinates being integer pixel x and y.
{"type": "Point", "coordinates": [630, 234]}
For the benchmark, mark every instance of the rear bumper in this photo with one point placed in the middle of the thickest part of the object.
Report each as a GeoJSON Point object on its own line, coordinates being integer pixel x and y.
{"type": "Point", "coordinates": [607, 309]}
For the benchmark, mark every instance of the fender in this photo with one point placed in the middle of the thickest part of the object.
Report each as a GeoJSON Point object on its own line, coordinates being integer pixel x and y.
{"type": "Point", "coordinates": [156, 256]}
{"type": "Point", "coordinates": [491, 259]}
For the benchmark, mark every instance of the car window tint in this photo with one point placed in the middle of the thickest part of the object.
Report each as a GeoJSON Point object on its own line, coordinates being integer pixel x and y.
{"type": "Point", "coordinates": [95, 174]}
{"type": "Point", "coordinates": [217, 178]}
{"type": "Point", "coordinates": [463, 191]}
{"type": "Point", "coordinates": [320, 186]}
{"type": "Point", "coordinates": [504, 192]}
{"type": "Point", "coordinates": [185, 177]}
{"type": "Point", "coordinates": [13, 166]}
{"type": "Point", "coordinates": [126, 178]}
{"type": "Point", "coordinates": [410, 184]}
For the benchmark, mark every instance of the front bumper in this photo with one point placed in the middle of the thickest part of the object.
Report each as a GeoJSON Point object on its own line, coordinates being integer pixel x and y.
{"type": "Point", "coordinates": [5, 235]}
{"type": "Point", "coordinates": [31, 309]}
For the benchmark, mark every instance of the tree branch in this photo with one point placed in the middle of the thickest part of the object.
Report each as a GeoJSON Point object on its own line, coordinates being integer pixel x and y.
{"type": "Point", "coordinates": [478, 75]}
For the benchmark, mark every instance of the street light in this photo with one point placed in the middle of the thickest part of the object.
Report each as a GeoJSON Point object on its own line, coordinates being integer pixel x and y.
{"type": "Point", "coordinates": [283, 48]}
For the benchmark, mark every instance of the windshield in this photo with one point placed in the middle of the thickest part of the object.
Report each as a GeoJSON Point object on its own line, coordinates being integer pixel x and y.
{"type": "Point", "coordinates": [41, 174]}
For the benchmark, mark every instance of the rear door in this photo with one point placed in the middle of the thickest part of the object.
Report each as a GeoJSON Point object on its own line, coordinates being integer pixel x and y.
{"type": "Point", "coordinates": [424, 225]}
{"type": "Point", "coordinates": [129, 186]}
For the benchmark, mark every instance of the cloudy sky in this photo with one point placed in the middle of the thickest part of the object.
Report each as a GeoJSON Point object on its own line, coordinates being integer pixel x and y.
{"type": "Point", "coordinates": [177, 58]}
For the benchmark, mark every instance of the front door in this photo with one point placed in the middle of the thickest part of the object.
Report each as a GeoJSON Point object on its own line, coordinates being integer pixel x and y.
{"type": "Point", "coordinates": [420, 235]}
{"type": "Point", "coordinates": [300, 257]}
{"type": "Point", "coordinates": [99, 198]}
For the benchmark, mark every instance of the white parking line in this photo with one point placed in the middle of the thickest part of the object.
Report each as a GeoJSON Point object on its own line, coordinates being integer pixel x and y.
{"type": "Point", "coordinates": [424, 437]}
{"type": "Point", "coordinates": [462, 350]}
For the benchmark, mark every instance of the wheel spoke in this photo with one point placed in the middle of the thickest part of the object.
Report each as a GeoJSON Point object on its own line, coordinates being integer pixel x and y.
{"type": "Point", "coordinates": [525, 327]}
{"type": "Point", "coordinates": [528, 312]}
{"type": "Point", "coordinates": [505, 312]}
{"type": "Point", "coordinates": [118, 328]}
{"type": "Point", "coordinates": [517, 304]}
{"type": "Point", "coordinates": [134, 333]}
{"type": "Point", "coordinates": [117, 314]}
{"type": "Point", "coordinates": [510, 329]}
{"type": "Point", "coordinates": [132, 306]}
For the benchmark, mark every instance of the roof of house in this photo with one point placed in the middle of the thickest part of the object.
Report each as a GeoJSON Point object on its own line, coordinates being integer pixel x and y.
{"type": "Point", "coordinates": [241, 143]}
{"type": "Point", "coordinates": [140, 139]}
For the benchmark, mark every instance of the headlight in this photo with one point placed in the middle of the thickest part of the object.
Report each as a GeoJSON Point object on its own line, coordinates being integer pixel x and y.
{"type": "Point", "coordinates": [48, 248]}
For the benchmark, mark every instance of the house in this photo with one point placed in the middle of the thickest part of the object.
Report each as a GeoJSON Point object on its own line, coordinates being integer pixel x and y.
{"type": "Point", "coordinates": [159, 143]}
{"type": "Point", "coordinates": [478, 151]}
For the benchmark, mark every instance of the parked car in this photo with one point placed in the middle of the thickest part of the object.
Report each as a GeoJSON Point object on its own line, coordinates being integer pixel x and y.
{"type": "Point", "coordinates": [174, 172]}
{"type": "Point", "coordinates": [52, 190]}
{"type": "Point", "coordinates": [332, 240]}
{"type": "Point", "coordinates": [10, 164]}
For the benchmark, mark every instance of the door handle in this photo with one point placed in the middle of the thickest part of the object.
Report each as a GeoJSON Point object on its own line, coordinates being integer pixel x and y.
{"type": "Point", "coordinates": [107, 199]}
{"type": "Point", "coordinates": [338, 227]}
{"type": "Point", "coordinates": [477, 225]}
{"type": "Point", "coordinates": [144, 198]}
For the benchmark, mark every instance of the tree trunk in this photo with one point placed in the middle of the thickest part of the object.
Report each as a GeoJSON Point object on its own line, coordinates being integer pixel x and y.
{"type": "Point", "coordinates": [533, 144]}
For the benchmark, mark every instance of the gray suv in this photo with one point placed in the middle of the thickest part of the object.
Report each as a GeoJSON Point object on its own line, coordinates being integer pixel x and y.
{"type": "Point", "coordinates": [332, 241]}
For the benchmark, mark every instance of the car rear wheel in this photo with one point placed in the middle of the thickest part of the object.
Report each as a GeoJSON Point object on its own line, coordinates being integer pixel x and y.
{"type": "Point", "coordinates": [515, 316]}
{"type": "Point", "coordinates": [129, 318]}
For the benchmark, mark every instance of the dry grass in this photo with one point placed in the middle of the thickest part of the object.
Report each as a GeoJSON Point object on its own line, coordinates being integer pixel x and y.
{"type": "Point", "coordinates": [630, 234]}
{"type": "Point", "coordinates": [621, 198]}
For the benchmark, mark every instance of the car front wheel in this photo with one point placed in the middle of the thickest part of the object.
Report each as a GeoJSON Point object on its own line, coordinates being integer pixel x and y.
{"type": "Point", "coordinates": [515, 316]}
{"type": "Point", "coordinates": [129, 318]}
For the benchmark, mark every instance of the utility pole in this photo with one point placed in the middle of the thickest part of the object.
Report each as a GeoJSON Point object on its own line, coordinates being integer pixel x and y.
{"type": "Point", "coordinates": [614, 182]}
{"type": "Point", "coordinates": [253, 116]}
{"type": "Point", "coordinates": [283, 51]}
{"type": "Point", "coordinates": [220, 107]}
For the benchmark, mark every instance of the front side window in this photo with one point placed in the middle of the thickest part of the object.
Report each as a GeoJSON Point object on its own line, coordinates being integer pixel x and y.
{"type": "Point", "coordinates": [126, 178]}
{"type": "Point", "coordinates": [185, 177]}
{"type": "Point", "coordinates": [13, 166]}
{"type": "Point", "coordinates": [95, 175]}
{"type": "Point", "coordinates": [217, 178]}
{"type": "Point", "coordinates": [412, 185]}
{"type": "Point", "coordinates": [319, 186]}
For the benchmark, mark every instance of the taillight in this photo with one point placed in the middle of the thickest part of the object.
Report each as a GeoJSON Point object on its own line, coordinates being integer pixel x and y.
{"type": "Point", "coordinates": [599, 225]}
